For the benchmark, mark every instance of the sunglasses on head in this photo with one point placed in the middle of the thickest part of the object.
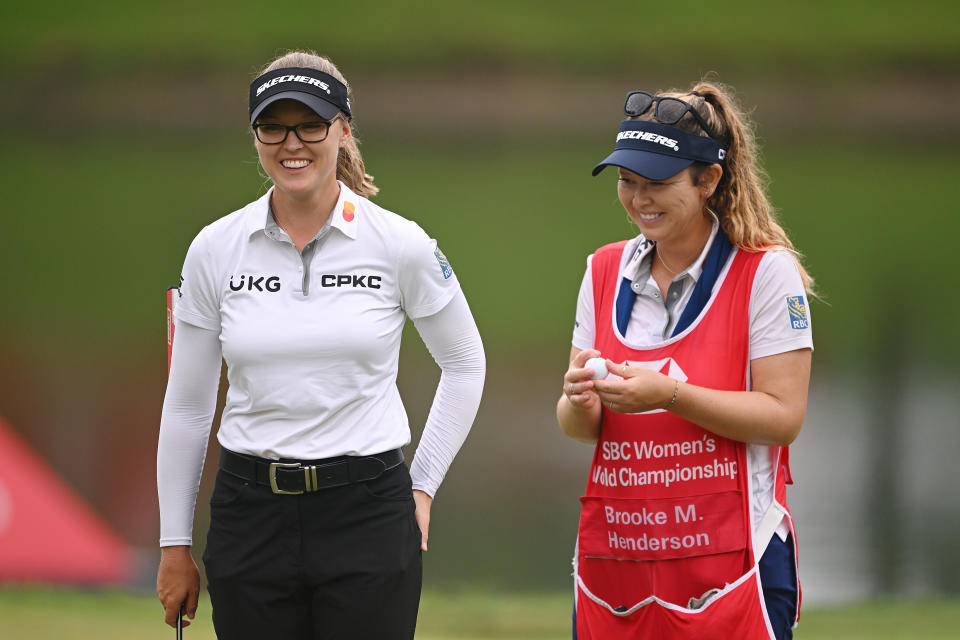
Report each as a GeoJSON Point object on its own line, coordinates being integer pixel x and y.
{"type": "Point", "coordinates": [667, 111]}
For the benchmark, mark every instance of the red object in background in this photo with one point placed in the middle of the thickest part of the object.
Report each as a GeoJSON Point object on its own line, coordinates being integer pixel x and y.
{"type": "Point", "coordinates": [47, 533]}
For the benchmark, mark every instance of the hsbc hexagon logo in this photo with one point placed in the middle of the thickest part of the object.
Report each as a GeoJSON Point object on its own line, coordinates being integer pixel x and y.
{"type": "Point", "coordinates": [666, 366]}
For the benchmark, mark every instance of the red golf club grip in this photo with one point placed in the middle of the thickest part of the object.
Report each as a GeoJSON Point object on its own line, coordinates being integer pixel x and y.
{"type": "Point", "coordinates": [172, 294]}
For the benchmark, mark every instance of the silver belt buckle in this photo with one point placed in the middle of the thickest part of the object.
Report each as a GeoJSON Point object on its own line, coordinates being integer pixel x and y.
{"type": "Point", "coordinates": [273, 476]}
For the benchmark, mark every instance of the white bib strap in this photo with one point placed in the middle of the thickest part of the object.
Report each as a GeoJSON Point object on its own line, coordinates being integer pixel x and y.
{"type": "Point", "coordinates": [766, 530]}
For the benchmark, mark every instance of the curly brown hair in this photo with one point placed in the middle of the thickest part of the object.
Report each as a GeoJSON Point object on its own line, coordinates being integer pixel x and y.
{"type": "Point", "coordinates": [740, 199]}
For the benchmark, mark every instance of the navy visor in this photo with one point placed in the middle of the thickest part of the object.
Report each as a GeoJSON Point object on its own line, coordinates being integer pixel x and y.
{"type": "Point", "coordinates": [658, 151]}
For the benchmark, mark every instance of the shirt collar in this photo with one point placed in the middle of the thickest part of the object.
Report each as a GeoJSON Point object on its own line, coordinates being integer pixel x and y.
{"type": "Point", "coordinates": [258, 213]}
{"type": "Point", "coordinates": [644, 250]}
{"type": "Point", "coordinates": [343, 216]}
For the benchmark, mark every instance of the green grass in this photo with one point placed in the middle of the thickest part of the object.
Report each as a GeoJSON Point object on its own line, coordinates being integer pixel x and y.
{"type": "Point", "coordinates": [40, 614]}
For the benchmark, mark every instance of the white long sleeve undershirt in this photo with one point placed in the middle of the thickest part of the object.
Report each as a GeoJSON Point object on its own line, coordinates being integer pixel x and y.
{"type": "Point", "coordinates": [450, 335]}
{"type": "Point", "coordinates": [452, 338]}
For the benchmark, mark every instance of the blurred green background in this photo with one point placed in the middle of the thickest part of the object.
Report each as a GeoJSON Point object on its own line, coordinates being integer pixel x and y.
{"type": "Point", "coordinates": [124, 133]}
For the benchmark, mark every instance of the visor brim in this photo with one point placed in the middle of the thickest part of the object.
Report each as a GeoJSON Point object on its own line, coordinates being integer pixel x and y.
{"type": "Point", "coordinates": [324, 109]}
{"type": "Point", "coordinates": [652, 166]}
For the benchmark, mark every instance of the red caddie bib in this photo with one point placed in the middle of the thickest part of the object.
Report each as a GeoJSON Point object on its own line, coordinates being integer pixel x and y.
{"type": "Point", "coordinates": [666, 513]}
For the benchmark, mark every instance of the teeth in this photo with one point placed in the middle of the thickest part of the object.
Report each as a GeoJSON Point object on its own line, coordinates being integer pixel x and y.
{"type": "Point", "coordinates": [648, 217]}
{"type": "Point", "coordinates": [295, 164]}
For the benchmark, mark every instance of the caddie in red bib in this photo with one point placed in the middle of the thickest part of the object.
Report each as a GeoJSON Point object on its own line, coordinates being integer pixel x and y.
{"type": "Point", "coordinates": [686, 492]}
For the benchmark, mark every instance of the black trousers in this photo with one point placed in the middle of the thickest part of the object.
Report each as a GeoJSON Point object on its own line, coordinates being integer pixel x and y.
{"type": "Point", "coordinates": [330, 565]}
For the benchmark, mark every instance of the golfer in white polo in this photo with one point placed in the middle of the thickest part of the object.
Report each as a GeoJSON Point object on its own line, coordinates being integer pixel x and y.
{"type": "Point", "coordinates": [316, 527]}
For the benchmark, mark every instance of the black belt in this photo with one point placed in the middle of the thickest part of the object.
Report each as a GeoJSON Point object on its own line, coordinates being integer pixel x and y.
{"type": "Point", "coordinates": [293, 477]}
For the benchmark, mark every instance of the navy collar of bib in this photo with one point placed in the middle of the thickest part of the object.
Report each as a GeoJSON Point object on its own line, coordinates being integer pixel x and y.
{"type": "Point", "coordinates": [720, 250]}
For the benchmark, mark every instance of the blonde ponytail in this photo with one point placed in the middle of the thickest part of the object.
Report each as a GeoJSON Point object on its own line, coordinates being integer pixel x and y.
{"type": "Point", "coordinates": [351, 170]}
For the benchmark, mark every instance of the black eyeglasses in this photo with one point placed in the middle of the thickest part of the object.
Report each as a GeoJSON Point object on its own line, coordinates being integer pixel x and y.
{"type": "Point", "coordinates": [314, 131]}
{"type": "Point", "coordinates": [668, 111]}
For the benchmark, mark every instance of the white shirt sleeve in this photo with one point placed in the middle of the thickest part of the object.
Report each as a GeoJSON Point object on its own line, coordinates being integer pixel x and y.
{"type": "Point", "coordinates": [188, 408]}
{"type": "Point", "coordinates": [452, 338]}
{"type": "Point", "coordinates": [584, 329]}
{"type": "Point", "coordinates": [779, 313]}
{"type": "Point", "coordinates": [427, 281]}
{"type": "Point", "coordinates": [199, 302]}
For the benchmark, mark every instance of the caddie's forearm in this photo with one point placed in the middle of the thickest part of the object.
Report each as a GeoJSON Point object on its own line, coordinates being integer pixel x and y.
{"type": "Point", "coordinates": [746, 416]}
{"type": "Point", "coordinates": [578, 423]}
{"type": "Point", "coordinates": [772, 413]}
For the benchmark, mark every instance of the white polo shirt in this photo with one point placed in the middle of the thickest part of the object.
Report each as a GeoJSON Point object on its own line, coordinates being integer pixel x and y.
{"type": "Point", "coordinates": [312, 346]}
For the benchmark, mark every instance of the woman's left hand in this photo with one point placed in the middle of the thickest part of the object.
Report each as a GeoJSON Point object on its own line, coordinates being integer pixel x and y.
{"type": "Point", "coordinates": [640, 390]}
{"type": "Point", "coordinates": [423, 501]}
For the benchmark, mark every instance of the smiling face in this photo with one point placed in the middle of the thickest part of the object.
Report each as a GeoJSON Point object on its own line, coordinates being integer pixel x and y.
{"type": "Point", "coordinates": [301, 170]}
{"type": "Point", "coordinates": [668, 211]}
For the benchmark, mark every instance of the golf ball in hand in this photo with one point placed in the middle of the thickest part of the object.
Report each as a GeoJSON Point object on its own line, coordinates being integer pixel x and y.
{"type": "Point", "coordinates": [599, 366]}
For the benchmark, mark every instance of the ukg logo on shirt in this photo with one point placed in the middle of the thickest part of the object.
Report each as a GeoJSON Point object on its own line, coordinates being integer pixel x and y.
{"type": "Point", "coordinates": [255, 283]}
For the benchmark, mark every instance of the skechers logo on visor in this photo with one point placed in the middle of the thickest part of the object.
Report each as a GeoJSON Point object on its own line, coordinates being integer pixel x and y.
{"type": "Point", "coordinates": [301, 80]}
{"type": "Point", "coordinates": [641, 135]}
{"type": "Point", "coordinates": [291, 78]}
{"type": "Point", "coordinates": [649, 136]}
